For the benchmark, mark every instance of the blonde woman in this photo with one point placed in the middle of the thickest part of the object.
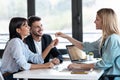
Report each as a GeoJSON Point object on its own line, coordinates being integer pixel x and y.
{"type": "Point", "coordinates": [110, 43]}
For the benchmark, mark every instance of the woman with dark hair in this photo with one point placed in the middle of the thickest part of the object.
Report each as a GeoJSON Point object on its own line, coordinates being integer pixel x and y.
{"type": "Point", "coordinates": [17, 54]}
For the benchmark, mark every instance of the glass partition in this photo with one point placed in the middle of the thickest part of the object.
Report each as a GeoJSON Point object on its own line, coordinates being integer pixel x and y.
{"type": "Point", "coordinates": [56, 16]}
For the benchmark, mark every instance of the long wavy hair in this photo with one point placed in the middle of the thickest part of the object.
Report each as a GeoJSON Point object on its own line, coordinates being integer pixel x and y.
{"type": "Point", "coordinates": [109, 22]}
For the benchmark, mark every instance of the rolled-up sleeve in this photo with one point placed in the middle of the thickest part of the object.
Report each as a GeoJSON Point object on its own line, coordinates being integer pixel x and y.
{"type": "Point", "coordinates": [87, 46]}
{"type": "Point", "coordinates": [34, 58]}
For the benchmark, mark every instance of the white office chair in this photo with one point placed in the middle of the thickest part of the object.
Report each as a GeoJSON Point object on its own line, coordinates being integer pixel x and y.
{"type": "Point", "coordinates": [1, 77]}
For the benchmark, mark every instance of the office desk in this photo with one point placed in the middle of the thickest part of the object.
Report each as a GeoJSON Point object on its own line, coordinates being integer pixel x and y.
{"type": "Point", "coordinates": [58, 72]}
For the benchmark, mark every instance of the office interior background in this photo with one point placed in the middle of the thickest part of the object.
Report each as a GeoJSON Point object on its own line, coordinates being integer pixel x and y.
{"type": "Point", "coordinates": [73, 17]}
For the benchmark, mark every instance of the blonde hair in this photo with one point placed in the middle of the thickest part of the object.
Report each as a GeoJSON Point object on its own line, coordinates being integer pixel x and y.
{"type": "Point", "coordinates": [109, 23]}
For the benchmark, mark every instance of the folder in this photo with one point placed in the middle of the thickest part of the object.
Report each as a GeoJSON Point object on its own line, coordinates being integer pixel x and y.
{"type": "Point", "coordinates": [80, 71]}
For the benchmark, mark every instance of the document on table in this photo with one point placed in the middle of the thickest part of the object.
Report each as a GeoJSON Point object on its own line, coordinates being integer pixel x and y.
{"type": "Point", "coordinates": [81, 71]}
{"type": "Point", "coordinates": [95, 60]}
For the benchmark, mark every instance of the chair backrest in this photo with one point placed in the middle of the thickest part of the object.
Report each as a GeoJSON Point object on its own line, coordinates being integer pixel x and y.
{"type": "Point", "coordinates": [1, 77]}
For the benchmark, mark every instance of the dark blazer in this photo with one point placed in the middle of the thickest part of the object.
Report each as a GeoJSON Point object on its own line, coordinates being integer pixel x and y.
{"type": "Point", "coordinates": [46, 40]}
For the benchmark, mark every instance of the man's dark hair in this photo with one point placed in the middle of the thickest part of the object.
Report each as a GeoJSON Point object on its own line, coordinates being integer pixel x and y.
{"type": "Point", "coordinates": [32, 19]}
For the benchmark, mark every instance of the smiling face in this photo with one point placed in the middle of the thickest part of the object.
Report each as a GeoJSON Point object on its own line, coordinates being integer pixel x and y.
{"type": "Point", "coordinates": [98, 22]}
{"type": "Point", "coordinates": [36, 29]}
{"type": "Point", "coordinates": [23, 30]}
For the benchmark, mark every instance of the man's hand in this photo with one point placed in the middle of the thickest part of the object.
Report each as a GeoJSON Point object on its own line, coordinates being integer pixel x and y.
{"type": "Point", "coordinates": [54, 43]}
{"type": "Point", "coordinates": [49, 65]}
{"type": "Point", "coordinates": [55, 61]}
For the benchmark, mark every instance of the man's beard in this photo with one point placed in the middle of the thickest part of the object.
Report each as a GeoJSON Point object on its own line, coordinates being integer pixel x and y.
{"type": "Point", "coordinates": [37, 35]}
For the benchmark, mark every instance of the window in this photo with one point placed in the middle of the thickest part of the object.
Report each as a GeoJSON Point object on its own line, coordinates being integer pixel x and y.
{"type": "Point", "coordinates": [56, 16]}
{"type": "Point", "coordinates": [90, 7]}
{"type": "Point", "coordinates": [9, 9]}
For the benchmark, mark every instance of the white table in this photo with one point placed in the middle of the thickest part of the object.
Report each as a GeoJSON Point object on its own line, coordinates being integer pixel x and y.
{"type": "Point", "coordinates": [58, 72]}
